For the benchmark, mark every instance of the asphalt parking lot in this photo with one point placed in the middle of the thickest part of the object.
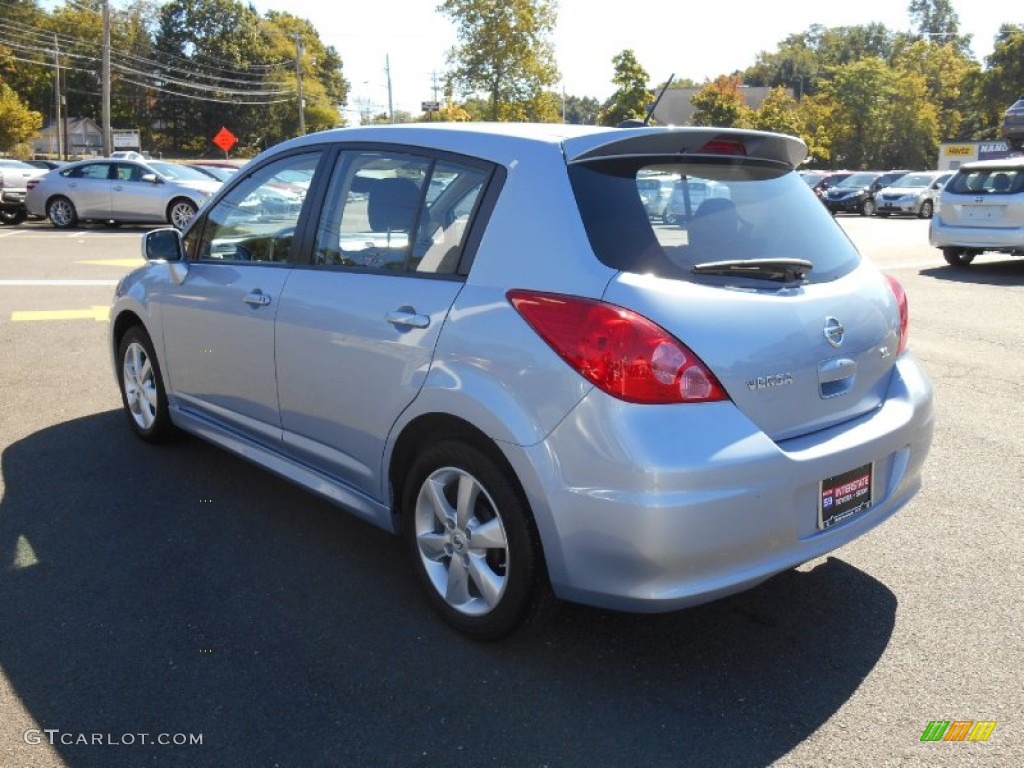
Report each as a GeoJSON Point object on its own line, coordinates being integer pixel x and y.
{"type": "Point", "coordinates": [152, 595]}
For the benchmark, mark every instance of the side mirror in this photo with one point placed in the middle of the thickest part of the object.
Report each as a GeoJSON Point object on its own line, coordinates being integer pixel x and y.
{"type": "Point", "coordinates": [163, 244]}
{"type": "Point", "coordinates": [152, 178]}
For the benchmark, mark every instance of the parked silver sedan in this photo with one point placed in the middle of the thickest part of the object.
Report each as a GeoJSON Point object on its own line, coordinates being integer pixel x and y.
{"type": "Point", "coordinates": [546, 393]}
{"type": "Point", "coordinates": [115, 190]}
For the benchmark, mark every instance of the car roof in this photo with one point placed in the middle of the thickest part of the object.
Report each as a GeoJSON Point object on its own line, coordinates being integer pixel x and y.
{"type": "Point", "coordinates": [1016, 162]}
{"type": "Point", "coordinates": [503, 142]}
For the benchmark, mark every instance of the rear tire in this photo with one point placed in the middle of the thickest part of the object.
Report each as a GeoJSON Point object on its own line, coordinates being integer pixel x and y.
{"type": "Point", "coordinates": [180, 213]}
{"type": "Point", "coordinates": [473, 542]}
{"type": "Point", "coordinates": [958, 257]}
{"type": "Point", "coordinates": [12, 216]}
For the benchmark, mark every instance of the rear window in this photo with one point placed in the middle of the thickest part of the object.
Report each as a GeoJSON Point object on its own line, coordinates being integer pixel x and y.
{"type": "Point", "coordinates": [987, 181]}
{"type": "Point", "coordinates": [717, 211]}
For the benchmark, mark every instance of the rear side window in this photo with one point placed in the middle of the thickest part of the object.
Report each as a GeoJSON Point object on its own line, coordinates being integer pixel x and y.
{"type": "Point", "coordinates": [738, 209]}
{"type": "Point", "coordinates": [987, 181]}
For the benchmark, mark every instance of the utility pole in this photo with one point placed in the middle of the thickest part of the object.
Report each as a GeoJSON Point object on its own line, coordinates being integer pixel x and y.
{"type": "Point", "coordinates": [298, 80]}
{"type": "Point", "coordinates": [56, 97]}
{"type": "Point", "coordinates": [387, 69]}
{"type": "Point", "coordinates": [107, 141]}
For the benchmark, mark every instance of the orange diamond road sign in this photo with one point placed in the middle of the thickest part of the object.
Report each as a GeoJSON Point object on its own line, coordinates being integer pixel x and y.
{"type": "Point", "coordinates": [225, 139]}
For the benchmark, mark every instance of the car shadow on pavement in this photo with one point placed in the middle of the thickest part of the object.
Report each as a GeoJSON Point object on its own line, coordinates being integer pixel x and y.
{"type": "Point", "coordinates": [178, 592]}
{"type": "Point", "coordinates": [1008, 272]}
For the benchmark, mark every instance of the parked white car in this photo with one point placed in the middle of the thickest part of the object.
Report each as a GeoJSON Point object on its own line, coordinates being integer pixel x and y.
{"type": "Point", "coordinates": [911, 195]}
{"type": "Point", "coordinates": [115, 190]}
{"type": "Point", "coordinates": [981, 209]}
{"type": "Point", "coordinates": [14, 178]}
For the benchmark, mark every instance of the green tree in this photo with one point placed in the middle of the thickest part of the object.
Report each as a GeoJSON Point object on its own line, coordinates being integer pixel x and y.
{"type": "Point", "coordinates": [582, 110]}
{"type": "Point", "coordinates": [936, 20]}
{"type": "Point", "coordinates": [719, 103]}
{"type": "Point", "coordinates": [504, 51]}
{"type": "Point", "coordinates": [873, 116]}
{"type": "Point", "coordinates": [778, 112]}
{"type": "Point", "coordinates": [21, 44]}
{"type": "Point", "coordinates": [1002, 82]}
{"type": "Point", "coordinates": [947, 74]}
{"type": "Point", "coordinates": [631, 97]}
{"type": "Point", "coordinates": [223, 47]}
{"type": "Point", "coordinates": [18, 123]}
{"type": "Point", "coordinates": [324, 86]}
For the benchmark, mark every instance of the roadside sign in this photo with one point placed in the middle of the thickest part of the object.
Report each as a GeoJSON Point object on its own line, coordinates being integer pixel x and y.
{"type": "Point", "coordinates": [225, 139]}
{"type": "Point", "coordinates": [430, 106]}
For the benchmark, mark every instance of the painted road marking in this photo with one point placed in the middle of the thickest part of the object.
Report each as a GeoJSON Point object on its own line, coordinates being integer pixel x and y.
{"type": "Point", "coordinates": [57, 282]}
{"type": "Point", "coordinates": [99, 314]}
{"type": "Point", "coordinates": [114, 262]}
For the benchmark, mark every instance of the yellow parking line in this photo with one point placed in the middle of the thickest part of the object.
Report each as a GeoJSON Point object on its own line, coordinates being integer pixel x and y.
{"type": "Point", "coordinates": [99, 314]}
{"type": "Point", "coordinates": [113, 262]}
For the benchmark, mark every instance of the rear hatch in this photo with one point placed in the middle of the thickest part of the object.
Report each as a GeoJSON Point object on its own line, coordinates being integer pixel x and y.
{"type": "Point", "coordinates": [987, 194]}
{"type": "Point", "coordinates": [760, 282]}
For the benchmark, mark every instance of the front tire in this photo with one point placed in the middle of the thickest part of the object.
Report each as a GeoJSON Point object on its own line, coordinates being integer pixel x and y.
{"type": "Point", "coordinates": [142, 387]}
{"type": "Point", "coordinates": [61, 213]}
{"type": "Point", "coordinates": [868, 208]}
{"type": "Point", "coordinates": [927, 209]}
{"type": "Point", "coordinates": [180, 213]}
{"type": "Point", "coordinates": [957, 257]}
{"type": "Point", "coordinates": [473, 542]}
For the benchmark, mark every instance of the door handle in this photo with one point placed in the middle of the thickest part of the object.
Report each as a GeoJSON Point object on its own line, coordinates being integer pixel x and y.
{"type": "Point", "coordinates": [407, 317]}
{"type": "Point", "coordinates": [257, 298]}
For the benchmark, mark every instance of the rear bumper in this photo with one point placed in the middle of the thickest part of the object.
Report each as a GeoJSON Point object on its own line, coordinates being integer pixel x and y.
{"type": "Point", "coordinates": [942, 235]}
{"type": "Point", "coordinates": [657, 508]}
{"type": "Point", "coordinates": [12, 196]}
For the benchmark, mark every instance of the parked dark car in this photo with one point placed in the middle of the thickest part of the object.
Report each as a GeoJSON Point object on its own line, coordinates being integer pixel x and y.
{"type": "Point", "coordinates": [1013, 125]}
{"type": "Point", "coordinates": [856, 193]}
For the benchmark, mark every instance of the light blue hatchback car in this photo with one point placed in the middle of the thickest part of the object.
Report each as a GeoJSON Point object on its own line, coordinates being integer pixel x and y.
{"type": "Point", "coordinates": [475, 336]}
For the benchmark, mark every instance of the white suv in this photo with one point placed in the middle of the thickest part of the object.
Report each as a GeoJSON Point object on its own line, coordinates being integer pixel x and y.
{"type": "Point", "coordinates": [981, 209]}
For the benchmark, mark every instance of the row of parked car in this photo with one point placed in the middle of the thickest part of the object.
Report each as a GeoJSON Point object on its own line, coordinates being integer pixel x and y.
{"type": "Point", "coordinates": [878, 193]}
{"type": "Point", "coordinates": [977, 208]}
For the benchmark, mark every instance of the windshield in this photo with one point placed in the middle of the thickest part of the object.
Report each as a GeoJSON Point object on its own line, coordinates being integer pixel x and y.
{"type": "Point", "coordinates": [175, 172]}
{"type": "Point", "coordinates": [723, 211]}
{"type": "Point", "coordinates": [858, 180]}
{"type": "Point", "coordinates": [915, 180]}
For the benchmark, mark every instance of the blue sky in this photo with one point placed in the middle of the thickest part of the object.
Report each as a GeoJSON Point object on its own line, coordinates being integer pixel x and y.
{"type": "Point", "coordinates": [696, 40]}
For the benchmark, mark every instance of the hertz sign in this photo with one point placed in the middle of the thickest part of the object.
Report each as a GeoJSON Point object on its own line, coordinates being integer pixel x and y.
{"type": "Point", "coordinates": [960, 150]}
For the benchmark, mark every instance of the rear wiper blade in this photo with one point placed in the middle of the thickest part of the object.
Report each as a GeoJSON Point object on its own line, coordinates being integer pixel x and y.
{"type": "Point", "coordinates": [782, 270]}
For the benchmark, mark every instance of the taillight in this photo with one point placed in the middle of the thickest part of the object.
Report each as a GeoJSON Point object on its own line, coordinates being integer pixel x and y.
{"type": "Point", "coordinates": [723, 147]}
{"type": "Point", "coordinates": [901, 301]}
{"type": "Point", "coordinates": [617, 350]}
{"type": "Point", "coordinates": [31, 183]}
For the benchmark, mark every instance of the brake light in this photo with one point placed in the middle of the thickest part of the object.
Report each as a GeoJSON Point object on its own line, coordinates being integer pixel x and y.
{"type": "Point", "coordinates": [619, 351]}
{"type": "Point", "coordinates": [31, 183]}
{"type": "Point", "coordinates": [723, 147]}
{"type": "Point", "coordinates": [901, 301]}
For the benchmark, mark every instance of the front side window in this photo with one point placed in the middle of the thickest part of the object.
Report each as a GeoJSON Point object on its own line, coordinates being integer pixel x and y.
{"type": "Point", "coordinates": [718, 211]}
{"type": "Point", "coordinates": [256, 220]}
{"type": "Point", "coordinates": [397, 212]}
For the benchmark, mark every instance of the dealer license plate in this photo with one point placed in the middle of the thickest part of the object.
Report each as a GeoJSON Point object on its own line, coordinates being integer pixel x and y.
{"type": "Point", "coordinates": [845, 496]}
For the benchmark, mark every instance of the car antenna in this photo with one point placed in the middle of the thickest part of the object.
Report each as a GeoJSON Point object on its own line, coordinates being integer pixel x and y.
{"type": "Point", "coordinates": [634, 122]}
